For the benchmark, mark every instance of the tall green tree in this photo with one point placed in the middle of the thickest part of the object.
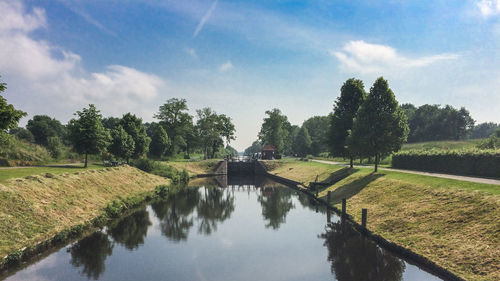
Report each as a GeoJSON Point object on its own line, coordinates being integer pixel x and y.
{"type": "Point", "coordinates": [87, 133]}
{"type": "Point", "coordinates": [213, 130]}
{"type": "Point", "coordinates": [303, 142]}
{"type": "Point", "coordinates": [345, 109]}
{"type": "Point", "coordinates": [274, 130]}
{"type": "Point", "coordinates": [122, 144]}
{"type": "Point", "coordinates": [136, 129]}
{"type": "Point", "coordinates": [9, 116]}
{"type": "Point", "coordinates": [44, 127]}
{"type": "Point", "coordinates": [381, 126]}
{"type": "Point", "coordinates": [159, 141]}
{"type": "Point", "coordinates": [174, 117]}
{"type": "Point", "coordinates": [318, 128]}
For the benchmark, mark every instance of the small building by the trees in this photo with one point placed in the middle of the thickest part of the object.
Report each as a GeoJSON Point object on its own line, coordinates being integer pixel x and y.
{"type": "Point", "coordinates": [269, 152]}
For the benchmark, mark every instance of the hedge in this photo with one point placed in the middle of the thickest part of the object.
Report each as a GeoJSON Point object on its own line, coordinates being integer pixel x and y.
{"type": "Point", "coordinates": [474, 162]}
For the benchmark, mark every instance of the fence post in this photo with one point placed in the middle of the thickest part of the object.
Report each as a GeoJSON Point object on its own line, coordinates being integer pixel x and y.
{"type": "Point", "coordinates": [328, 215]}
{"type": "Point", "coordinates": [317, 192]}
{"type": "Point", "coordinates": [328, 197]}
{"type": "Point", "coordinates": [343, 207]}
{"type": "Point", "coordinates": [364, 214]}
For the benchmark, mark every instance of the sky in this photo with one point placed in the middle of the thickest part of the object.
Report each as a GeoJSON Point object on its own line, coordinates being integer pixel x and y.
{"type": "Point", "coordinates": [242, 58]}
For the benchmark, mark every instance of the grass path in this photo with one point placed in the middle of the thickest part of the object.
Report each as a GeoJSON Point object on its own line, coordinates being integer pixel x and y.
{"type": "Point", "coordinates": [9, 173]}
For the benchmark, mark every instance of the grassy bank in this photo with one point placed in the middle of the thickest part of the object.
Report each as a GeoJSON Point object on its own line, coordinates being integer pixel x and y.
{"type": "Point", "coordinates": [202, 167]}
{"type": "Point", "coordinates": [453, 223]}
{"type": "Point", "coordinates": [10, 173]}
{"type": "Point", "coordinates": [35, 208]}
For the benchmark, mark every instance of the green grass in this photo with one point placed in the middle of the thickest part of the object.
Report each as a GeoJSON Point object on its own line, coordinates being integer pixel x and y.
{"type": "Point", "coordinates": [12, 173]}
{"type": "Point", "coordinates": [446, 145]}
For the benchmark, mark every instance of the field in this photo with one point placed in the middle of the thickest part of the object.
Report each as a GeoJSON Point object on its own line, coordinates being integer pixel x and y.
{"type": "Point", "coordinates": [195, 167]}
{"type": "Point", "coordinates": [453, 223]}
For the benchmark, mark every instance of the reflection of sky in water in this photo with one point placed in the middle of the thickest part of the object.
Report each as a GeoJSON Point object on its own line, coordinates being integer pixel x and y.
{"type": "Point", "coordinates": [239, 247]}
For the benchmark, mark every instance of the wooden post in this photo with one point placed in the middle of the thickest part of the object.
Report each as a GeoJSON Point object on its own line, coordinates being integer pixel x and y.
{"type": "Point", "coordinates": [364, 214]}
{"type": "Point", "coordinates": [317, 191]}
{"type": "Point", "coordinates": [328, 197]}
{"type": "Point", "coordinates": [343, 207]}
{"type": "Point", "coordinates": [328, 215]}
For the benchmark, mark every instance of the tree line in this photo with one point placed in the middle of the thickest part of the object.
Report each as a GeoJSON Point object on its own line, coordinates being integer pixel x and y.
{"type": "Point", "coordinates": [367, 125]}
{"type": "Point", "coordinates": [127, 137]}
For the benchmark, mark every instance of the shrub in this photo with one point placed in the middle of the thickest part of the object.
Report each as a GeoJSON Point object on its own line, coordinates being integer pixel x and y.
{"type": "Point", "coordinates": [466, 162]}
{"type": "Point", "coordinates": [161, 190]}
{"type": "Point", "coordinates": [144, 164]}
{"type": "Point", "coordinates": [14, 258]}
{"type": "Point", "coordinates": [60, 237]}
{"type": "Point", "coordinates": [113, 209]}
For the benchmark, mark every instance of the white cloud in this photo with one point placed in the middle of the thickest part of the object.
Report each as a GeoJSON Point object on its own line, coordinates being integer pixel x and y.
{"type": "Point", "coordinates": [226, 66]}
{"type": "Point", "coordinates": [205, 18]}
{"type": "Point", "coordinates": [362, 57]}
{"type": "Point", "coordinates": [489, 8]}
{"type": "Point", "coordinates": [14, 19]}
{"type": "Point", "coordinates": [73, 6]}
{"type": "Point", "coordinates": [46, 79]}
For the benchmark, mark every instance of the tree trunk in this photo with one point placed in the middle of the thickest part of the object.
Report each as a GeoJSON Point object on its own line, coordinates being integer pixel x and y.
{"type": "Point", "coordinates": [352, 160]}
{"type": "Point", "coordinates": [376, 162]}
{"type": "Point", "coordinates": [86, 157]}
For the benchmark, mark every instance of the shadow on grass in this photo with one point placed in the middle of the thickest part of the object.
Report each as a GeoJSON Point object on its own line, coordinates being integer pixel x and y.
{"type": "Point", "coordinates": [339, 175]}
{"type": "Point", "coordinates": [349, 190]}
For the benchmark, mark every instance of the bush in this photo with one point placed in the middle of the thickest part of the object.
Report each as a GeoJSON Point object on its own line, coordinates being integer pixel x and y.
{"type": "Point", "coordinates": [161, 190]}
{"type": "Point", "coordinates": [14, 258]}
{"type": "Point", "coordinates": [144, 164]}
{"type": "Point", "coordinates": [113, 209]}
{"type": "Point", "coordinates": [474, 162]}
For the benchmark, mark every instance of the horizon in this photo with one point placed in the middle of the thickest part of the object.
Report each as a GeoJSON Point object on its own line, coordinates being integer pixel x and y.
{"type": "Point", "coordinates": [242, 59]}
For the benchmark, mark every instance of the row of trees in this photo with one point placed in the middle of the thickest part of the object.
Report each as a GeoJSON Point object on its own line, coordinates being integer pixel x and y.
{"type": "Point", "coordinates": [361, 125]}
{"type": "Point", "coordinates": [126, 137]}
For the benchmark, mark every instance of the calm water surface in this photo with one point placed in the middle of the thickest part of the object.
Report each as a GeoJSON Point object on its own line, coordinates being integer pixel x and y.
{"type": "Point", "coordinates": [251, 229]}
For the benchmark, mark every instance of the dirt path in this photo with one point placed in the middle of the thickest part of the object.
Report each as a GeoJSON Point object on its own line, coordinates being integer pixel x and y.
{"type": "Point", "coordinates": [446, 176]}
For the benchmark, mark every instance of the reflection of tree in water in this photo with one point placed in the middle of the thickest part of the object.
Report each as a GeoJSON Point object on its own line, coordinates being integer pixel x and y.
{"type": "Point", "coordinates": [90, 253]}
{"type": "Point", "coordinates": [175, 212]}
{"type": "Point", "coordinates": [276, 203]}
{"type": "Point", "coordinates": [130, 231]}
{"type": "Point", "coordinates": [307, 202]}
{"type": "Point", "coordinates": [355, 257]}
{"type": "Point", "coordinates": [215, 206]}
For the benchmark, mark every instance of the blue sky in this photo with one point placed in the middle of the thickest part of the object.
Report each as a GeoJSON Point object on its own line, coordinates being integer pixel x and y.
{"type": "Point", "coordinates": [244, 57]}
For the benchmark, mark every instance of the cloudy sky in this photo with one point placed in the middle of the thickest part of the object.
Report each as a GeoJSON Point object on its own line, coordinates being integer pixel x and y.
{"type": "Point", "coordinates": [244, 57]}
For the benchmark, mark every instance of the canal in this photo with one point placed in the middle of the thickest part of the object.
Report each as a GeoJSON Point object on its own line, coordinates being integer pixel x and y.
{"type": "Point", "coordinates": [248, 229]}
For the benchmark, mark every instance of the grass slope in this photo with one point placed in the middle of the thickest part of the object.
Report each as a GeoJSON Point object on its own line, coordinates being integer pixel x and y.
{"type": "Point", "coordinates": [195, 167]}
{"type": "Point", "coordinates": [453, 223]}
{"type": "Point", "coordinates": [35, 208]}
{"type": "Point", "coordinates": [9, 173]}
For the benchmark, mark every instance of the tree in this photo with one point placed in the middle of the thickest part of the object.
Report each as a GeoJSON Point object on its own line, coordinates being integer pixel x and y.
{"type": "Point", "coordinates": [273, 130]}
{"type": "Point", "coordinates": [177, 122]}
{"type": "Point", "coordinates": [44, 127]}
{"type": "Point", "coordinates": [86, 133]}
{"type": "Point", "coordinates": [213, 130]}
{"type": "Point", "coordinates": [110, 122]}
{"type": "Point", "coordinates": [159, 141]}
{"type": "Point", "coordinates": [318, 127]}
{"type": "Point", "coordinates": [122, 144]}
{"type": "Point", "coordinates": [135, 129]}
{"type": "Point", "coordinates": [256, 147]}
{"type": "Point", "coordinates": [303, 142]}
{"type": "Point", "coordinates": [9, 116]}
{"type": "Point", "coordinates": [381, 126]}
{"type": "Point", "coordinates": [484, 130]}
{"type": "Point", "coordinates": [345, 109]}
{"type": "Point", "coordinates": [23, 134]}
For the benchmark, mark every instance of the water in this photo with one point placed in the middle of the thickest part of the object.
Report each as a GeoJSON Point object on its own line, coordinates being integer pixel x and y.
{"type": "Point", "coordinates": [238, 232]}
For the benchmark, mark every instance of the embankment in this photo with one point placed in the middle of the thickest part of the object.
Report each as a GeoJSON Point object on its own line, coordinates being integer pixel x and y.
{"type": "Point", "coordinates": [452, 223]}
{"type": "Point", "coordinates": [35, 208]}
